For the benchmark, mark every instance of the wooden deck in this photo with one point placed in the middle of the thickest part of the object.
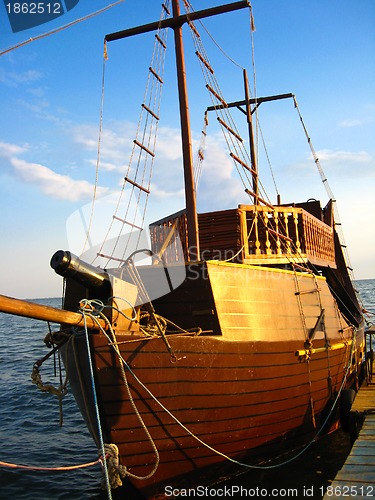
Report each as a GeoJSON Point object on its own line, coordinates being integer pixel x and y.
{"type": "Point", "coordinates": [365, 399]}
{"type": "Point", "coordinates": [357, 476]}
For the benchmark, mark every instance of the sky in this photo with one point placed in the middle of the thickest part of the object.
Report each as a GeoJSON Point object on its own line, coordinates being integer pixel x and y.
{"type": "Point", "coordinates": [50, 105]}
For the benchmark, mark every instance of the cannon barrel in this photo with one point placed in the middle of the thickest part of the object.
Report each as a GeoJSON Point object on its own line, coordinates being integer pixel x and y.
{"type": "Point", "coordinates": [69, 265]}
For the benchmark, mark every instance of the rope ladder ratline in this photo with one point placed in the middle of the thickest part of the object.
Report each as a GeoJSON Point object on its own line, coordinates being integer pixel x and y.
{"type": "Point", "coordinates": [234, 142]}
{"type": "Point", "coordinates": [229, 129]}
{"type": "Point", "coordinates": [139, 170]}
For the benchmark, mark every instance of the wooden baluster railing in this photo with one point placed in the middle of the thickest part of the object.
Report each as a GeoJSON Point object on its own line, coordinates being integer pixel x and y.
{"type": "Point", "coordinates": [297, 243]}
{"type": "Point", "coordinates": [257, 242]}
{"type": "Point", "coordinates": [278, 242]}
{"type": "Point", "coordinates": [288, 240]}
{"type": "Point", "coordinates": [268, 250]}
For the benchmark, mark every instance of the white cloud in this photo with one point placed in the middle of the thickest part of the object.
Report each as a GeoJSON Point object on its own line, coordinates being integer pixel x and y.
{"type": "Point", "coordinates": [8, 150]}
{"type": "Point", "coordinates": [51, 183]}
{"type": "Point", "coordinates": [13, 78]}
{"type": "Point", "coordinates": [344, 156]}
{"type": "Point", "coordinates": [114, 147]}
{"type": "Point", "coordinates": [58, 186]}
{"type": "Point", "coordinates": [41, 108]}
{"type": "Point", "coordinates": [220, 186]}
{"type": "Point", "coordinates": [169, 143]}
{"type": "Point", "coordinates": [115, 142]}
{"type": "Point", "coordinates": [345, 163]}
{"type": "Point", "coordinates": [350, 122]}
{"type": "Point", "coordinates": [106, 165]}
{"type": "Point", "coordinates": [163, 194]}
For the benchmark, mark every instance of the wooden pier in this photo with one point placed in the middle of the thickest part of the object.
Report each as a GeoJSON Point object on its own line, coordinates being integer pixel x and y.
{"type": "Point", "coordinates": [357, 476]}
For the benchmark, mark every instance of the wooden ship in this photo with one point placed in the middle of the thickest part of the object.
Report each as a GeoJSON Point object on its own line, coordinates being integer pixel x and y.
{"type": "Point", "coordinates": [248, 357]}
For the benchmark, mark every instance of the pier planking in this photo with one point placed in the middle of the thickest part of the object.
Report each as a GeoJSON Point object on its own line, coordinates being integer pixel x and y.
{"type": "Point", "coordinates": [357, 476]}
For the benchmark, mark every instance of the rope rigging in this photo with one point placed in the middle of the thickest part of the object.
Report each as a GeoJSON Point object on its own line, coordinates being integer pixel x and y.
{"type": "Point", "coordinates": [235, 143]}
{"type": "Point", "coordinates": [61, 28]}
{"type": "Point", "coordinates": [337, 222]}
{"type": "Point", "coordinates": [122, 471]}
{"type": "Point", "coordinates": [130, 210]}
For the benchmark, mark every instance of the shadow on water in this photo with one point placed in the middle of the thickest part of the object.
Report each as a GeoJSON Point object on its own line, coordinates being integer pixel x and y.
{"type": "Point", "coordinates": [306, 477]}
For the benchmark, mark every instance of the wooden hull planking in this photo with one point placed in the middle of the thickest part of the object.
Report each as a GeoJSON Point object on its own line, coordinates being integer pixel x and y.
{"type": "Point", "coordinates": [241, 390]}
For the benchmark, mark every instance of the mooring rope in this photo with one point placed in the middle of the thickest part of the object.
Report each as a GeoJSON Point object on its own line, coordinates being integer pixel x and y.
{"type": "Point", "coordinates": [50, 469]}
{"type": "Point", "coordinates": [100, 433]}
{"type": "Point", "coordinates": [206, 445]}
{"type": "Point", "coordinates": [242, 464]}
{"type": "Point", "coordinates": [113, 467]}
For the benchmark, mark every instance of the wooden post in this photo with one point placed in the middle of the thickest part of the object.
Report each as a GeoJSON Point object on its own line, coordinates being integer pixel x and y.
{"type": "Point", "coordinates": [27, 309]}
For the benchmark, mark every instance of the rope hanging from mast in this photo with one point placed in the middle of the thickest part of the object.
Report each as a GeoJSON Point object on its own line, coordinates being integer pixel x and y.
{"type": "Point", "coordinates": [138, 176]}
{"type": "Point", "coordinates": [232, 136]}
{"type": "Point", "coordinates": [130, 210]}
{"type": "Point", "coordinates": [245, 163]}
{"type": "Point", "coordinates": [329, 192]}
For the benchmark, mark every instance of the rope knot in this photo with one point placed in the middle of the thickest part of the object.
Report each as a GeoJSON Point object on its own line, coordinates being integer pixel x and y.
{"type": "Point", "coordinates": [93, 306]}
{"type": "Point", "coordinates": [115, 470]}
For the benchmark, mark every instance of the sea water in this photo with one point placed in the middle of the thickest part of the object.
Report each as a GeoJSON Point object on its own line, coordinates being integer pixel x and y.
{"type": "Point", "coordinates": [29, 422]}
{"type": "Point", "coordinates": [30, 432]}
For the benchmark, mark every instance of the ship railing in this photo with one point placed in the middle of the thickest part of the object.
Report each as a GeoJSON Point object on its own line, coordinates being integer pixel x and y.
{"type": "Point", "coordinates": [278, 235]}
{"type": "Point", "coordinates": [249, 234]}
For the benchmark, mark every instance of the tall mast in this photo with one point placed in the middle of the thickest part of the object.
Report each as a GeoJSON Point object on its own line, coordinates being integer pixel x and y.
{"type": "Point", "coordinates": [187, 149]}
{"type": "Point", "coordinates": [176, 23]}
{"type": "Point", "coordinates": [254, 166]}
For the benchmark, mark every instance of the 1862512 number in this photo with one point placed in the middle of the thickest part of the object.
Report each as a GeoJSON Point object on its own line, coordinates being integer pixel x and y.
{"type": "Point", "coordinates": [348, 491]}
{"type": "Point", "coordinates": [34, 8]}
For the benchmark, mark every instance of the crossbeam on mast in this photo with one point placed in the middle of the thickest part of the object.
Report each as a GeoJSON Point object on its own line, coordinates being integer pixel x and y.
{"type": "Point", "coordinates": [178, 21]}
{"type": "Point", "coordinates": [257, 101]}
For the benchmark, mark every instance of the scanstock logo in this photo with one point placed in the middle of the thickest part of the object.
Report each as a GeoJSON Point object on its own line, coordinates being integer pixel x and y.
{"type": "Point", "coordinates": [27, 14]}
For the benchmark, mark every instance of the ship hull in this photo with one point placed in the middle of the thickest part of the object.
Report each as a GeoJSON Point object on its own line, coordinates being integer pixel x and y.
{"type": "Point", "coordinates": [237, 392]}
